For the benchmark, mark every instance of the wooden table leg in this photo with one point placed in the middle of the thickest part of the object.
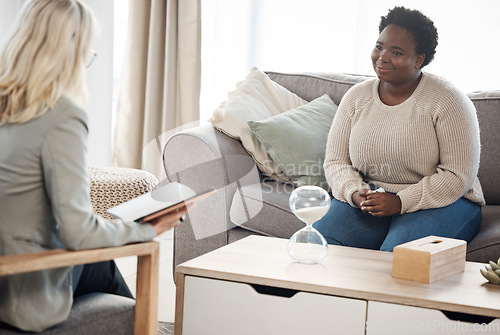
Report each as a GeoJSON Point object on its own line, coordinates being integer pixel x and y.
{"type": "Point", "coordinates": [179, 303]}
{"type": "Point", "coordinates": [146, 306]}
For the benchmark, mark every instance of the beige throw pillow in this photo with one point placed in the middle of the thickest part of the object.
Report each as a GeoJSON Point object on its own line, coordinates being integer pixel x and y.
{"type": "Point", "coordinates": [255, 98]}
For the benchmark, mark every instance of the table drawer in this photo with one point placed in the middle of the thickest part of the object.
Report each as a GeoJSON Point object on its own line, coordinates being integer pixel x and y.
{"type": "Point", "coordinates": [389, 319]}
{"type": "Point", "coordinates": [224, 307]}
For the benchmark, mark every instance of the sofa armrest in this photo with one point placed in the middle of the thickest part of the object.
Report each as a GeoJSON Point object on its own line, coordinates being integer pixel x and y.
{"type": "Point", "coordinates": [146, 307]}
{"type": "Point", "coordinates": [204, 158]}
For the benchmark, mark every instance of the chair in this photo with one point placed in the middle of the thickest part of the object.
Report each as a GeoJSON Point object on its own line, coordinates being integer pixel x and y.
{"type": "Point", "coordinates": [89, 306]}
{"type": "Point", "coordinates": [111, 314]}
{"type": "Point", "coordinates": [146, 305]}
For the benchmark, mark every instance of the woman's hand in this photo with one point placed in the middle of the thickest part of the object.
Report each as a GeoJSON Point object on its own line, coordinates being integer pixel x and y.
{"type": "Point", "coordinates": [381, 204]}
{"type": "Point", "coordinates": [168, 221]}
{"type": "Point", "coordinates": [359, 196]}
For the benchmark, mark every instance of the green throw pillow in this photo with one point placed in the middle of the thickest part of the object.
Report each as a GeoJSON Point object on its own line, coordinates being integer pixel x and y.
{"type": "Point", "coordinates": [296, 140]}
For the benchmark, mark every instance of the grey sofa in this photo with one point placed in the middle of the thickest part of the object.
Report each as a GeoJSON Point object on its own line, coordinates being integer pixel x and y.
{"type": "Point", "coordinates": [203, 158]}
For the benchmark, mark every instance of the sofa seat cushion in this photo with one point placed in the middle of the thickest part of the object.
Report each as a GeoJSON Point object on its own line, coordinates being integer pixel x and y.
{"type": "Point", "coordinates": [96, 314]}
{"type": "Point", "coordinates": [486, 245]}
{"type": "Point", "coordinates": [263, 208]}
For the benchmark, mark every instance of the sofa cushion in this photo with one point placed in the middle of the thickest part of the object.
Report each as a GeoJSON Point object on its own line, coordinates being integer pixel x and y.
{"type": "Point", "coordinates": [277, 220]}
{"type": "Point", "coordinates": [487, 105]}
{"type": "Point", "coordinates": [95, 313]}
{"type": "Point", "coordinates": [309, 86]}
{"type": "Point", "coordinates": [486, 245]}
{"type": "Point", "coordinates": [296, 140]}
{"type": "Point", "coordinates": [312, 85]}
{"type": "Point", "coordinates": [255, 98]}
{"type": "Point", "coordinates": [263, 208]}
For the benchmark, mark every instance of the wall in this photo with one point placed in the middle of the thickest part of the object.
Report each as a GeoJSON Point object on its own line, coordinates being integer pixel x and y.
{"type": "Point", "coordinates": [338, 36]}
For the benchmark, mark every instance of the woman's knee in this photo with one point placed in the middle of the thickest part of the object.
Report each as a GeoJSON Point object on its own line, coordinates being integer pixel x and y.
{"type": "Point", "coordinates": [332, 223]}
{"type": "Point", "coordinates": [349, 226]}
{"type": "Point", "coordinates": [459, 220]}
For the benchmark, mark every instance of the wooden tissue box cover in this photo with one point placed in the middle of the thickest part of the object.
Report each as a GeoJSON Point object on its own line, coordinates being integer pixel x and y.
{"type": "Point", "coordinates": [428, 259]}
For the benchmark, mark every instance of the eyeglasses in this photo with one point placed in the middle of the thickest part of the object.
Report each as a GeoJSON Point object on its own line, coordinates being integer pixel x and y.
{"type": "Point", "coordinates": [90, 58]}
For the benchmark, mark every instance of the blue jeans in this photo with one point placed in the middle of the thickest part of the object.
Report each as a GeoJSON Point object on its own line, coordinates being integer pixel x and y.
{"type": "Point", "coordinates": [349, 226]}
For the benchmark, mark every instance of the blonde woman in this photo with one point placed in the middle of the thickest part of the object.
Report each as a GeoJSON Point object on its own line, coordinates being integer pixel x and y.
{"type": "Point", "coordinates": [44, 200]}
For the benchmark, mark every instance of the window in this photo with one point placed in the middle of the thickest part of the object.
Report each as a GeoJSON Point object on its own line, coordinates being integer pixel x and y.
{"type": "Point", "coordinates": [119, 38]}
{"type": "Point", "coordinates": [337, 36]}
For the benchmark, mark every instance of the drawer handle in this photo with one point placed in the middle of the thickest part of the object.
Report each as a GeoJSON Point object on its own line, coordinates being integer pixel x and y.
{"type": "Point", "coordinates": [276, 291]}
{"type": "Point", "coordinates": [470, 318]}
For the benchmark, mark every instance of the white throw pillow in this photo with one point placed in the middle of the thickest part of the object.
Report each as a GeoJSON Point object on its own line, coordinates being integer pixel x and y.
{"type": "Point", "coordinates": [255, 98]}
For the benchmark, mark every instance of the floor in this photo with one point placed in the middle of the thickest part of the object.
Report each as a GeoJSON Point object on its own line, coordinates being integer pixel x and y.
{"type": "Point", "coordinates": [128, 268]}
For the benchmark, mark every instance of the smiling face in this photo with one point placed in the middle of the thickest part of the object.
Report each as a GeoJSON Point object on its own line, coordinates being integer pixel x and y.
{"type": "Point", "coordinates": [394, 57]}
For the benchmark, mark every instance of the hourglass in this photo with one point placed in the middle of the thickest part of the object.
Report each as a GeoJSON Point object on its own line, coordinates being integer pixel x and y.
{"type": "Point", "coordinates": [309, 204]}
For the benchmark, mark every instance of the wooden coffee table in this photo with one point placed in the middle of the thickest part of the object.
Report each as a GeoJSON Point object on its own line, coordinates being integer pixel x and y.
{"type": "Point", "coordinates": [252, 286]}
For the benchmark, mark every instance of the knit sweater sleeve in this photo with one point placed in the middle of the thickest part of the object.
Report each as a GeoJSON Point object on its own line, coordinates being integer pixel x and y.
{"type": "Point", "coordinates": [342, 177]}
{"type": "Point", "coordinates": [457, 132]}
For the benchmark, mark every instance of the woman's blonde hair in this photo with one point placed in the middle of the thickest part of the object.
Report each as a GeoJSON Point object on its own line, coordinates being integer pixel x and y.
{"type": "Point", "coordinates": [44, 58]}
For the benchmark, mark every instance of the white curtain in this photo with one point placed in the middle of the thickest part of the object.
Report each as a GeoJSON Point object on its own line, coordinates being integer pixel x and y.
{"type": "Point", "coordinates": [160, 86]}
{"type": "Point", "coordinates": [338, 36]}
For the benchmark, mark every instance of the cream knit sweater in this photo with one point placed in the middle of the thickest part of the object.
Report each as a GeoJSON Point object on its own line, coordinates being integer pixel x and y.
{"type": "Point", "coordinates": [425, 149]}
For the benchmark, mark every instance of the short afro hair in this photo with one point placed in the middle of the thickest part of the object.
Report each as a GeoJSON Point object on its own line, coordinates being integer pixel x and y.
{"type": "Point", "coordinates": [418, 25]}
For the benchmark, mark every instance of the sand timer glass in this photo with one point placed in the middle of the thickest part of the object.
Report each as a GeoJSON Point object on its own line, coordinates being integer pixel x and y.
{"type": "Point", "coordinates": [309, 204]}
